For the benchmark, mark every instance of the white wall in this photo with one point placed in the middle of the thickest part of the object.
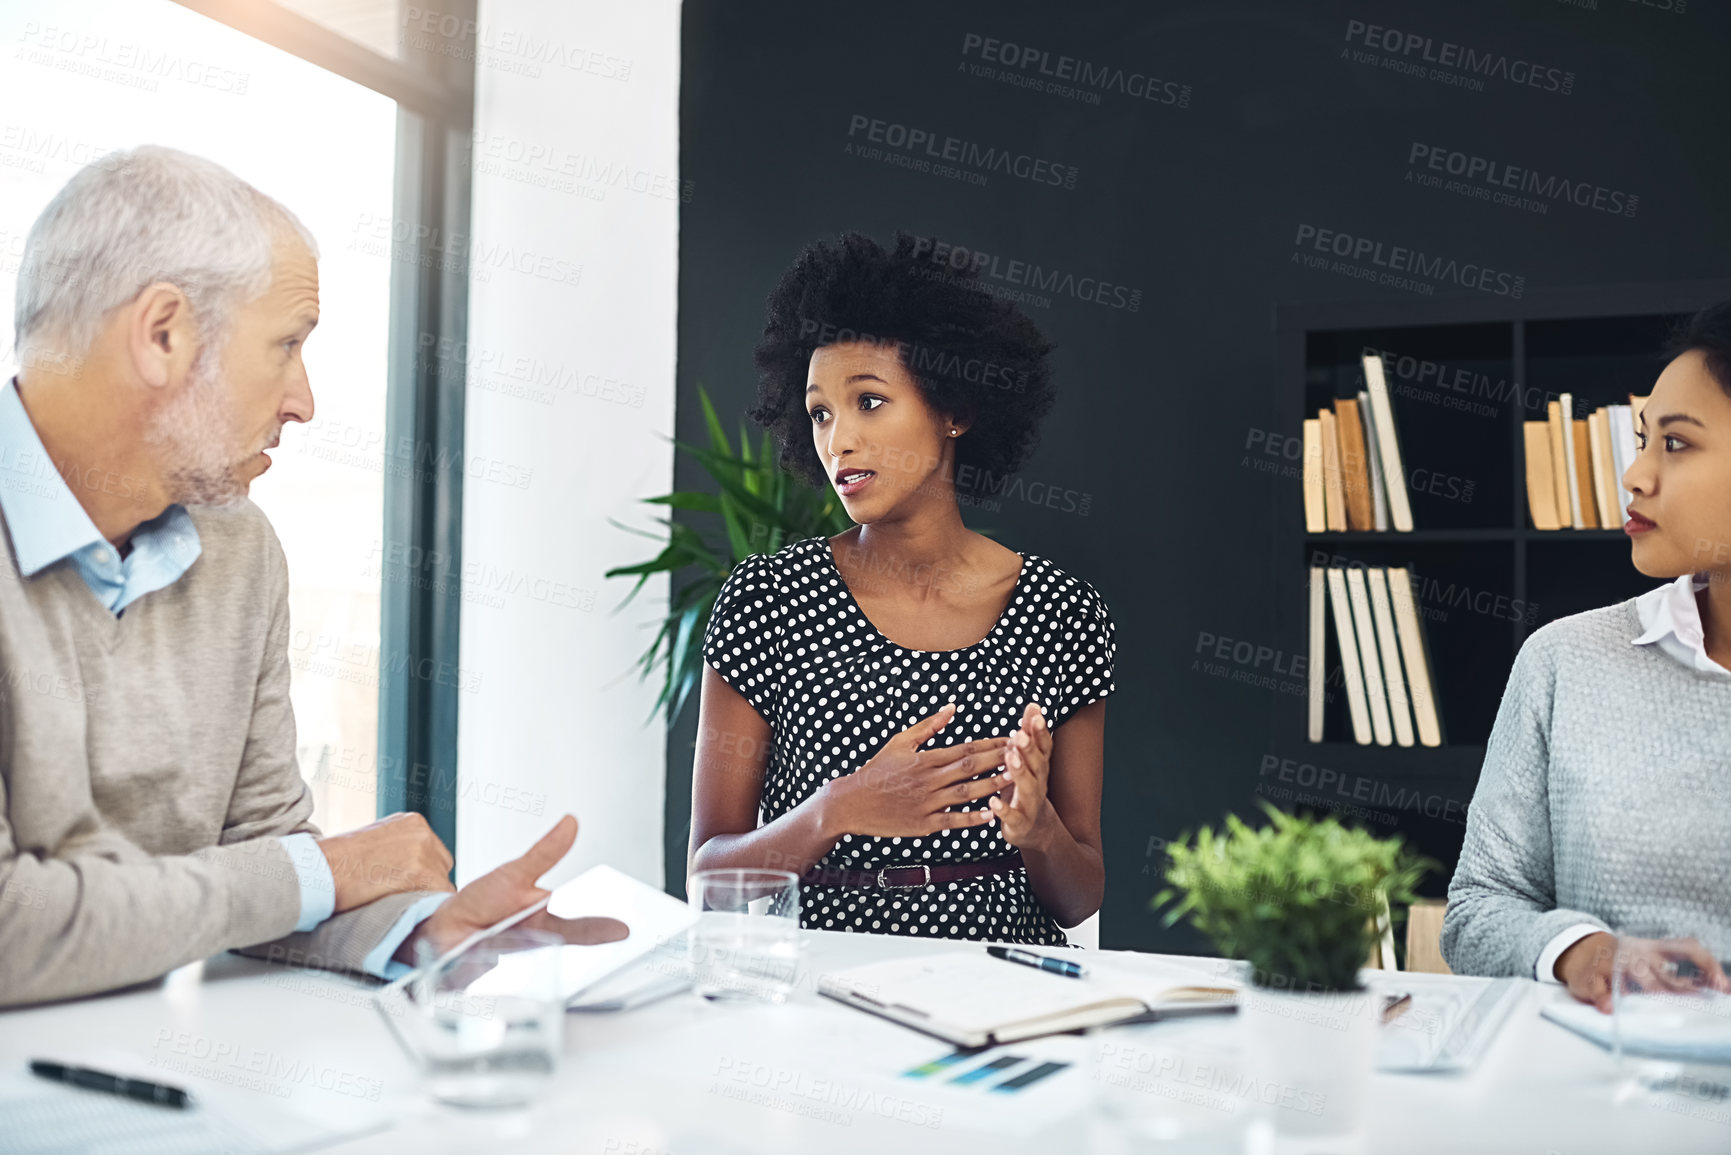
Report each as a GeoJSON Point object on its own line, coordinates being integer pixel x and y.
{"type": "Point", "coordinates": [570, 399]}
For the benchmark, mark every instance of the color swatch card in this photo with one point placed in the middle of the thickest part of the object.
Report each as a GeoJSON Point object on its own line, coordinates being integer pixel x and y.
{"type": "Point", "coordinates": [1004, 1073]}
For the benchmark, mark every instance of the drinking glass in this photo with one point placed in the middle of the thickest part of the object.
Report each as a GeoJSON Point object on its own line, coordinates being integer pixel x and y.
{"type": "Point", "coordinates": [489, 1023]}
{"type": "Point", "coordinates": [745, 944]}
{"type": "Point", "coordinates": [1176, 1086]}
{"type": "Point", "coordinates": [1671, 1023]}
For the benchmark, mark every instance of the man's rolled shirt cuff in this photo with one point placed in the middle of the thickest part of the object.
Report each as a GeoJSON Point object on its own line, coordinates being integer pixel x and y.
{"type": "Point", "coordinates": [379, 961]}
{"type": "Point", "coordinates": [318, 886]}
{"type": "Point", "coordinates": [1545, 970]}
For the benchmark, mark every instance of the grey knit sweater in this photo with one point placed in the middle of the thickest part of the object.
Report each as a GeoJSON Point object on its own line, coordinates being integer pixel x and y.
{"type": "Point", "coordinates": [147, 772]}
{"type": "Point", "coordinates": [1605, 799]}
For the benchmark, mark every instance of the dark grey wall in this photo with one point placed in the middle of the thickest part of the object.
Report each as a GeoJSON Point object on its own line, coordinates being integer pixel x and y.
{"type": "Point", "coordinates": [1194, 205]}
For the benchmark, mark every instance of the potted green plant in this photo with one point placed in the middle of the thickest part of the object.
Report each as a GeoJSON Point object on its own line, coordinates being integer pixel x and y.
{"type": "Point", "coordinates": [760, 508]}
{"type": "Point", "coordinates": [1302, 900]}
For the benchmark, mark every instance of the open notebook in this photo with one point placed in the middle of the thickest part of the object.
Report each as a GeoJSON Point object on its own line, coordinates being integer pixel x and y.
{"type": "Point", "coordinates": [974, 1000]}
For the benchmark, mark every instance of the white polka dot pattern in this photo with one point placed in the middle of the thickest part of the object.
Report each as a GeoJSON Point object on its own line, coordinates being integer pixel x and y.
{"type": "Point", "coordinates": [787, 634]}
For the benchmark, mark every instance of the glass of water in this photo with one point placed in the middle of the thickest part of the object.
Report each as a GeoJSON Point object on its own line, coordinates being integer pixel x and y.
{"type": "Point", "coordinates": [1671, 1023]}
{"type": "Point", "coordinates": [489, 1022]}
{"type": "Point", "coordinates": [745, 944]}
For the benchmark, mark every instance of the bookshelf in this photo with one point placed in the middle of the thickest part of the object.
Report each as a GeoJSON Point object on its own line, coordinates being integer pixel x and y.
{"type": "Point", "coordinates": [1464, 375]}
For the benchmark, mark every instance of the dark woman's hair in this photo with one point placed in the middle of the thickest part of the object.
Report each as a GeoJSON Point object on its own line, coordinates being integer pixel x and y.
{"type": "Point", "coordinates": [1709, 331]}
{"type": "Point", "coordinates": [975, 357]}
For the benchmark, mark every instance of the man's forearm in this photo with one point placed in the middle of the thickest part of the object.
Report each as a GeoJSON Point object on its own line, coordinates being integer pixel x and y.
{"type": "Point", "coordinates": [88, 924]}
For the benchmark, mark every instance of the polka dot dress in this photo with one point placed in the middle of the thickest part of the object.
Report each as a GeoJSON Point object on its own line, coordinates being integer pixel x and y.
{"type": "Point", "coordinates": [787, 634]}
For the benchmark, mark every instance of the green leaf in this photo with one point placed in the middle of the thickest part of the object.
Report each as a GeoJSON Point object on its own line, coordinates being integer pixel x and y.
{"type": "Point", "coordinates": [696, 502]}
{"type": "Point", "coordinates": [730, 474]}
{"type": "Point", "coordinates": [737, 537]}
{"type": "Point", "coordinates": [717, 438]}
{"type": "Point", "coordinates": [1299, 897]}
{"type": "Point", "coordinates": [756, 508]}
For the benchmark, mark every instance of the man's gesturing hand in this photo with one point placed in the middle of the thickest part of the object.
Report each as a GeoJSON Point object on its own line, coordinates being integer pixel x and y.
{"type": "Point", "coordinates": [506, 890]}
{"type": "Point", "coordinates": [904, 791]}
{"type": "Point", "coordinates": [397, 853]}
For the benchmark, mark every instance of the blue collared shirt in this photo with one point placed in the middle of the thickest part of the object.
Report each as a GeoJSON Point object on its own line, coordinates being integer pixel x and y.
{"type": "Point", "coordinates": [47, 524]}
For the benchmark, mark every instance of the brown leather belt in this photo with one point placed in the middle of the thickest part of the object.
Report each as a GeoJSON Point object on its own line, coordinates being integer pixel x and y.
{"type": "Point", "coordinates": [904, 877]}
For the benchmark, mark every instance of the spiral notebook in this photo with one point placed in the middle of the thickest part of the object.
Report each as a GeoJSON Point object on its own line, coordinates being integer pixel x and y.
{"type": "Point", "coordinates": [974, 1000]}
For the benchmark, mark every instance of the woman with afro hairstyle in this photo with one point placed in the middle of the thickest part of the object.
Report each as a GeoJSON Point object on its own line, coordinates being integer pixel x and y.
{"type": "Point", "coordinates": [908, 716]}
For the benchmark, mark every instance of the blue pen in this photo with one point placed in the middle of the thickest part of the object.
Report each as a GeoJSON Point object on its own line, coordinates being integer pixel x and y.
{"type": "Point", "coordinates": [1055, 966]}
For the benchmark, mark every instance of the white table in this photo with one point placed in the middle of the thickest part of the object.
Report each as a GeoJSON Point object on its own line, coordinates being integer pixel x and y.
{"type": "Point", "coordinates": [667, 1079]}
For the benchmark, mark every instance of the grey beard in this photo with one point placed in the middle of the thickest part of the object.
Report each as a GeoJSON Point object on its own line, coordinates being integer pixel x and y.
{"type": "Point", "coordinates": [195, 433]}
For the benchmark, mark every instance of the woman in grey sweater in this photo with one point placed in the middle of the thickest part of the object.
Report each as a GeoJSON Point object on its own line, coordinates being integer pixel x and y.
{"type": "Point", "coordinates": [1604, 805]}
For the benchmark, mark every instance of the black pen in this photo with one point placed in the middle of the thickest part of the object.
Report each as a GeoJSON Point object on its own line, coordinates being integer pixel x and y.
{"type": "Point", "coordinates": [1056, 966]}
{"type": "Point", "coordinates": [114, 1084]}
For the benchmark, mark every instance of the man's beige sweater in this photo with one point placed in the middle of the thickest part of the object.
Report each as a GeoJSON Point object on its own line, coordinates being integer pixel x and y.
{"type": "Point", "coordinates": [147, 772]}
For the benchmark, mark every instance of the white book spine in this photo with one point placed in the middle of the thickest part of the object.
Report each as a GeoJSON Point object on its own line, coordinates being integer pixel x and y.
{"type": "Point", "coordinates": [1318, 651]}
{"type": "Point", "coordinates": [1623, 450]}
{"type": "Point", "coordinates": [1351, 672]}
{"type": "Point", "coordinates": [1413, 657]}
{"type": "Point", "coordinates": [1612, 517]}
{"type": "Point", "coordinates": [1399, 708]}
{"type": "Point", "coordinates": [1393, 471]}
{"type": "Point", "coordinates": [1315, 513]}
{"type": "Point", "coordinates": [1365, 631]}
{"type": "Point", "coordinates": [1378, 483]}
{"type": "Point", "coordinates": [1566, 402]}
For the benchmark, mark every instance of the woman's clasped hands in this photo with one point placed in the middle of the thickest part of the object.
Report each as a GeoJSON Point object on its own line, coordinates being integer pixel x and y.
{"type": "Point", "coordinates": [906, 791]}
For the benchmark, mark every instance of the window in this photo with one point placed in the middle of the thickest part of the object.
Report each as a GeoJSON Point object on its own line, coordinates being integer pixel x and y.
{"type": "Point", "coordinates": [84, 80]}
{"type": "Point", "coordinates": [373, 23]}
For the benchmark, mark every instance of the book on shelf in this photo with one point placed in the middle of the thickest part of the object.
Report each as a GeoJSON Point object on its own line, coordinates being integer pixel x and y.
{"type": "Point", "coordinates": [1375, 694]}
{"type": "Point", "coordinates": [1622, 425]}
{"type": "Point", "coordinates": [1351, 672]}
{"type": "Point", "coordinates": [1333, 492]}
{"type": "Point", "coordinates": [1318, 652]}
{"type": "Point", "coordinates": [1541, 480]}
{"type": "Point", "coordinates": [1575, 467]}
{"type": "Point", "coordinates": [1315, 512]}
{"type": "Point", "coordinates": [1414, 656]}
{"type": "Point", "coordinates": [1571, 479]}
{"type": "Point", "coordinates": [1582, 464]}
{"type": "Point", "coordinates": [1560, 464]}
{"type": "Point", "coordinates": [1388, 647]}
{"type": "Point", "coordinates": [1355, 476]}
{"type": "Point", "coordinates": [1378, 483]}
{"type": "Point", "coordinates": [1604, 468]}
{"type": "Point", "coordinates": [1388, 444]}
{"type": "Point", "coordinates": [1384, 659]}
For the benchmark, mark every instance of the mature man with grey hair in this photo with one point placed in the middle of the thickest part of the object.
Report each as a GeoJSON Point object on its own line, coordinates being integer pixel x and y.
{"type": "Point", "coordinates": [151, 812]}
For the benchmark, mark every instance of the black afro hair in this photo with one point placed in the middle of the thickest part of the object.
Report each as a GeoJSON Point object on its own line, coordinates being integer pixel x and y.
{"type": "Point", "coordinates": [975, 357]}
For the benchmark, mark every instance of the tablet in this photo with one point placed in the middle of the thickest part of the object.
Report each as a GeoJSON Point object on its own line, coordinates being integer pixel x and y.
{"type": "Point", "coordinates": [652, 919]}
